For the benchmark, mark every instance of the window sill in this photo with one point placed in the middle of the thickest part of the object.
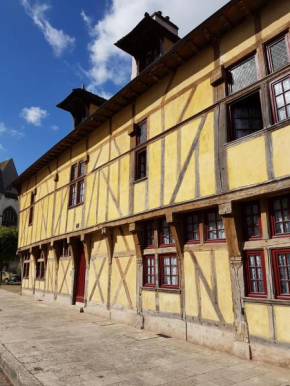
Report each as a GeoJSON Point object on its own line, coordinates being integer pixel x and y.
{"type": "Point", "coordinates": [168, 290]}
{"type": "Point", "coordinates": [273, 302]}
{"type": "Point", "coordinates": [76, 205]}
{"type": "Point", "coordinates": [39, 279]}
{"type": "Point", "coordinates": [140, 180]}
{"type": "Point", "coordinates": [221, 241]}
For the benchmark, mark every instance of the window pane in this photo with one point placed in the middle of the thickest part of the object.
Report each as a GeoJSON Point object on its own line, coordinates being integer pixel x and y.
{"type": "Point", "coordinates": [166, 261]}
{"type": "Point", "coordinates": [287, 97]}
{"type": "Point", "coordinates": [174, 280]}
{"type": "Point", "coordinates": [254, 286]}
{"type": "Point", "coordinates": [260, 273]}
{"type": "Point", "coordinates": [286, 84]}
{"type": "Point", "coordinates": [173, 261]}
{"type": "Point", "coordinates": [261, 286]}
{"type": "Point", "coordinates": [283, 274]}
{"type": "Point", "coordinates": [279, 55]}
{"type": "Point", "coordinates": [280, 101]}
{"type": "Point", "coordinates": [282, 114]}
{"type": "Point", "coordinates": [278, 88]}
{"type": "Point", "coordinates": [253, 273]}
{"type": "Point", "coordinates": [243, 75]}
{"type": "Point", "coordinates": [284, 288]}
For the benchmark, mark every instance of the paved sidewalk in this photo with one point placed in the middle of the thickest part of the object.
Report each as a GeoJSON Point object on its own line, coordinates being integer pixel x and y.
{"type": "Point", "coordinates": [46, 344]}
{"type": "Point", "coordinates": [3, 379]}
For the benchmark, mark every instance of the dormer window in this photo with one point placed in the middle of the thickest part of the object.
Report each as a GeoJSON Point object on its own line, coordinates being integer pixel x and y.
{"type": "Point", "coordinates": [150, 56]}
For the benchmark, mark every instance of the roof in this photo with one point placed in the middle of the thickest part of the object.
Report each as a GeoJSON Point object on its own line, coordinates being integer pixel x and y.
{"type": "Point", "coordinates": [139, 40]}
{"type": "Point", "coordinates": [8, 173]}
{"type": "Point", "coordinates": [223, 21]}
{"type": "Point", "coordinates": [77, 94]}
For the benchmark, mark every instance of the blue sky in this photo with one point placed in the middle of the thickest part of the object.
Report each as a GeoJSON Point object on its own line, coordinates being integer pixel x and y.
{"type": "Point", "coordinates": [49, 47]}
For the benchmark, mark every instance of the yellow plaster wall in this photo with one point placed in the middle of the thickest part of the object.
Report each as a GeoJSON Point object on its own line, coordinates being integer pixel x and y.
{"type": "Point", "coordinates": [282, 318]}
{"type": "Point", "coordinates": [247, 163]}
{"type": "Point", "coordinates": [98, 272]}
{"type": "Point", "coordinates": [258, 320]}
{"type": "Point", "coordinates": [64, 278]}
{"type": "Point", "coordinates": [169, 302]}
{"type": "Point", "coordinates": [139, 196]}
{"type": "Point", "coordinates": [280, 140]}
{"type": "Point", "coordinates": [206, 157]}
{"type": "Point", "coordinates": [232, 44]}
{"type": "Point", "coordinates": [224, 287]}
{"type": "Point", "coordinates": [170, 164]}
{"type": "Point", "coordinates": [167, 44]}
{"type": "Point", "coordinates": [274, 16]}
{"type": "Point", "coordinates": [148, 300]}
{"type": "Point", "coordinates": [191, 300]}
{"type": "Point", "coordinates": [154, 172]}
{"type": "Point", "coordinates": [50, 274]}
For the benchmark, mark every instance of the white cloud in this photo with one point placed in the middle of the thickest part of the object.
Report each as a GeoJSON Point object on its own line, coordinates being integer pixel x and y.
{"type": "Point", "coordinates": [107, 62]}
{"type": "Point", "coordinates": [12, 132]}
{"type": "Point", "coordinates": [58, 40]}
{"type": "Point", "coordinates": [54, 128]}
{"type": "Point", "coordinates": [34, 115]}
{"type": "Point", "coordinates": [2, 148]}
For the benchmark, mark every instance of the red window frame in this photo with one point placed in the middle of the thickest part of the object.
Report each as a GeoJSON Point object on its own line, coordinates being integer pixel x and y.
{"type": "Point", "coordinates": [277, 269]}
{"type": "Point", "coordinates": [256, 267]}
{"type": "Point", "coordinates": [31, 209]}
{"type": "Point", "coordinates": [273, 217]}
{"type": "Point", "coordinates": [139, 173]}
{"type": "Point", "coordinates": [273, 98]}
{"type": "Point", "coordinates": [251, 216]}
{"type": "Point", "coordinates": [164, 225]}
{"type": "Point", "coordinates": [274, 41]}
{"type": "Point", "coordinates": [171, 268]}
{"type": "Point", "coordinates": [26, 266]}
{"type": "Point", "coordinates": [77, 187]}
{"type": "Point", "coordinates": [216, 229]}
{"type": "Point", "coordinates": [149, 271]}
{"type": "Point", "coordinates": [190, 223]}
{"type": "Point", "coordinates": [149, 234]}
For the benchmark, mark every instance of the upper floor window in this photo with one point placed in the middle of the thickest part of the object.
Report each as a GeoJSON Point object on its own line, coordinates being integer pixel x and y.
{"type": "Point", "coordinates": [214, 228]}
{"type": "Point", "coordinates": [77, 187]}
{"type": "Point", "coordinates": [242, 75]}
{"type": "Point", "coordinates": [166, 237]}
{"type": "Point", "coordinates": [141, 155]}
{"type": "Point", "coordinates": [255, 274]}
{"type": "Point", "coordinates": [9, 217]}
{"type": "Point", "coordinates": [252, 220]}
{"type": "Point", "coordinates": [278, 53]}
{"type": "Point", "coordinates": [280, 91]}
{"type": "Point", "coordinates": [280, 209]}
{"type": "Point", "coordinates": [192, 228]}
{"type": "Point", "coordinates": [150, 56]}
{"type": "Point", "coordinates": [246, 116]}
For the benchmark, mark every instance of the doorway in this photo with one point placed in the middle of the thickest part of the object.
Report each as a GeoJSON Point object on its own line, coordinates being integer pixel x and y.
{"type": "Point", "coordinates": [80, 274]}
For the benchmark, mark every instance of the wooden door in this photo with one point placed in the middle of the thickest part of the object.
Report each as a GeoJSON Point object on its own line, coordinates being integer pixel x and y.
{"type": "Point", "coordinates": [81, 277]}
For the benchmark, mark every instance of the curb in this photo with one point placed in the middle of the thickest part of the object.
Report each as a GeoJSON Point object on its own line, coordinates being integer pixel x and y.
{"type": "Point", "coordinates": [15, 371]}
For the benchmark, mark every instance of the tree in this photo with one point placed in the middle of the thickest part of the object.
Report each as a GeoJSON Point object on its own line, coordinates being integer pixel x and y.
{"type": "Point", "coordinates": [8, 246]}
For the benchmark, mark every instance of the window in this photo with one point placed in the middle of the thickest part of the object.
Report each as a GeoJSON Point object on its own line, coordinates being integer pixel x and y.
{"type": "Point", "coordinates": [214, 228]}
{"type": "Point", "coordinates": [40, 267]}
{"type": "Point", "coordinates": [149, 271]}
{"type": "Point", "coordinates": [192, 228]}
{"type": "Point", "coordinates": [149, 234]}
{"type": "Point", "coordinates": [31, 209]}
{"type": "Point", "coordinates": [9, 217]}
{"type": "Point", "coordinates": [255, 274]}
{"type": "Point", "coordinates": [252, 220]}
{"type": "Point", "coordinates": [169, 271]}
{"type": "Point", "coordinates": [150, 56]}
{"type": "Point", "coordinates": [166, 237]}
{"type": "Point", "coordinates": [141, 164]}
{"type": "Point", "coordinates": [280, 92]}
{"type": "Point", "coordinates": [278, 53]}
{"type": "Point", "coordinates": [26, 265]}
{"type": "Point", "coordinates": [64, 251]}
{"type": "Point", "coordinates": [281, 261]}
{"type": "Point", "coordinates": [280, 216]}
{"type": "Point", "coordinates": [242, 75]}
{"type": "Point", "coordinates": [141, 155]}
{"type": "Point", "coordinates": [246, 116]}
{"type": "Point", "coordinates": [77, 187]}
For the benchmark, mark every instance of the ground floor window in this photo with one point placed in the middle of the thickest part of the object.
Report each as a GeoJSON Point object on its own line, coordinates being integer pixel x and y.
{"type": "Point", "coordinates": [26, 265]}
{"type": "Point", "coordinates": [40, 267]}
{"type": "Point", "coordinates": [281, 262]}
{"type": "Point", "coordinates": [149, 271]}
{"type": "Point", "coordinates": [255, 274]}
{"type": "Point", "coordinates": [169, 271]}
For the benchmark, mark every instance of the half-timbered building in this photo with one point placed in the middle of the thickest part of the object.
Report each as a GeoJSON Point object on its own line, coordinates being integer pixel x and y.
{"type": "Point", "coordinates": [168, 205]}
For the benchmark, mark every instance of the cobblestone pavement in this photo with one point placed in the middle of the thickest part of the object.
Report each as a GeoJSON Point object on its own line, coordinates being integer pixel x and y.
{"type": "Point", "coordinates": [4, 380]}
{"type": "Point", "coordinates": [59, 346]}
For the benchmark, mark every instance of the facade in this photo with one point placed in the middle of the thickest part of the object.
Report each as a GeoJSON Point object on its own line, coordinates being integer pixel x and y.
{"type": "Point", "coordinates": [167, 206]}
{"type": "Point", "coordinates": [8, 194]}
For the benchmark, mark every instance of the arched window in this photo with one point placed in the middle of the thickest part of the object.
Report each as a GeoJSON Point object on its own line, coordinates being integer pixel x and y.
{"type": "Point", "coordinates": [9, 217]}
